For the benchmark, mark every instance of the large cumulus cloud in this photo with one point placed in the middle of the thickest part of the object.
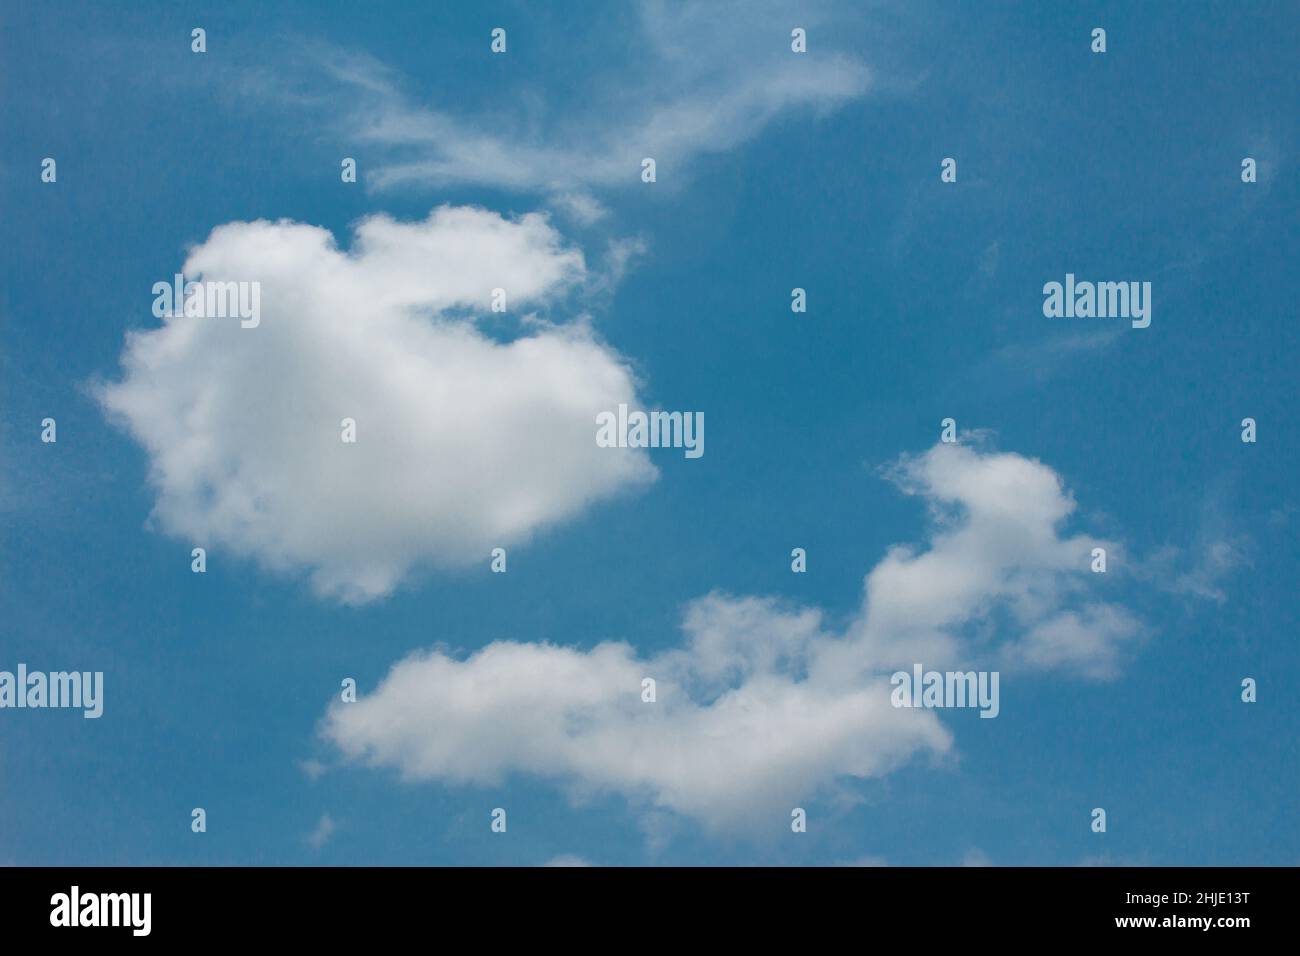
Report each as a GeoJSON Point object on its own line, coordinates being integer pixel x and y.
{"type": "Point", "coordinates": [465, 440]}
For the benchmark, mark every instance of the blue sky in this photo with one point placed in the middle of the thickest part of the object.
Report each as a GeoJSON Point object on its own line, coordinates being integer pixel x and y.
{"type": "Point", "coordinates": [775, 170]}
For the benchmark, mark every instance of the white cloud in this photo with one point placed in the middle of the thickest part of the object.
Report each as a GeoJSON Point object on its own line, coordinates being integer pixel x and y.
{"type": "Point", "coordinates": [580, 207]}
{"type": "Point", "coordinates": [321, 835]}
{"type": "Point", "coordinates": [314, 769]}
{"type": "Point", "coordinates": [996, 546]}
{"type": "Point", "coordinates": [761, 706]}
{"type": "Point", "coordinates": [464, 442]}
{"type": "Point", "coordinates": [566, 859]}
{"type": "Point", "coordinates": [1217, 560]}
{"type": "Point", "coordinates": [1200, 569]}
{"type": "Point", "coordinates": [706, 78]}
{"type": "Point", "coordinates": [1089, 640]}
{"type": "Point", "coordinates": [730, 758]}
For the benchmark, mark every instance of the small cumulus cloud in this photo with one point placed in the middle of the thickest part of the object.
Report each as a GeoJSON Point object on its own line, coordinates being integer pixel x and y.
{"type": "Point", "coordinates": [762, 705]}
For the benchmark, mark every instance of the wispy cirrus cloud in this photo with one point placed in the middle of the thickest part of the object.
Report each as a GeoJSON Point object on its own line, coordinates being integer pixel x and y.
{"type": "Point", "coordinates": [710, 76]}
{"type": "Point", "coordinates": [325, 828]}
